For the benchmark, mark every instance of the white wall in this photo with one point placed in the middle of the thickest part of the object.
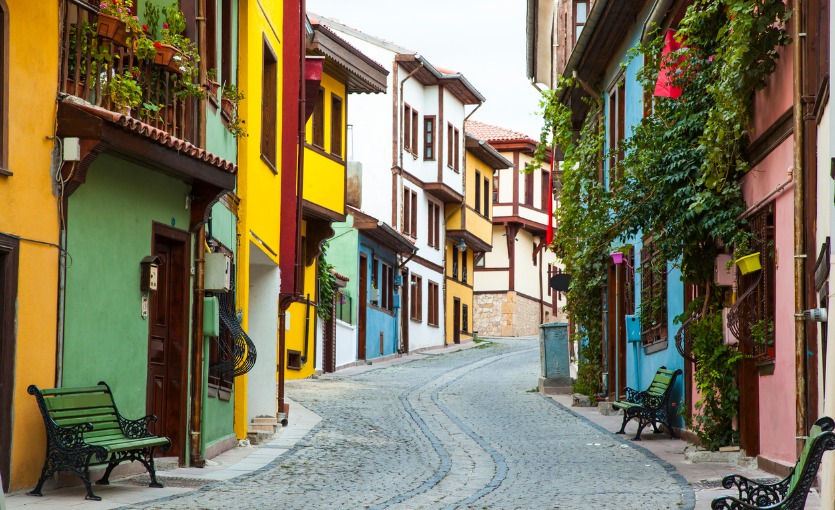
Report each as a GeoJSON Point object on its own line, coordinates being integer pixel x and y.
{"type": "Point", "coordinates": [346, 343]}
{"type": "Point", "coordinates": [421, 334]}
{"type": "Point", "coordinates": [264, 283]}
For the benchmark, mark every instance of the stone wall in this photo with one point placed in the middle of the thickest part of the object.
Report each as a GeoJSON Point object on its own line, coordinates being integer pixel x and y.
{"type": "Point", "coordinates": [507, 314]}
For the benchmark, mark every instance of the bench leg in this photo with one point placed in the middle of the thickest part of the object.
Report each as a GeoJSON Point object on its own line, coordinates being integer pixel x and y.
{"type": "Point", "coordinates": [105, 479]}
{"type": "Point", "coordinates": [641, 425]}
{"type": "Point", "coordinates": [85, 477]}
{"type": "Point", "coordinates": [626, 418]}
{"type": "Point", "coordinates": [37, 490]}
{"type": "Point", "coordinates": [149, 465]}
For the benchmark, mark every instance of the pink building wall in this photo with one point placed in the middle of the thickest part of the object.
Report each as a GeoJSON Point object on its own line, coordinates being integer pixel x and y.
{"type": "Point", "coordinates": [777, 390]}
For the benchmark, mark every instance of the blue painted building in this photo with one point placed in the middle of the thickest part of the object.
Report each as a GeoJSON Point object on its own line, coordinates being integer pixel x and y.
{"type": "Point", "coordinates": [591, 44]}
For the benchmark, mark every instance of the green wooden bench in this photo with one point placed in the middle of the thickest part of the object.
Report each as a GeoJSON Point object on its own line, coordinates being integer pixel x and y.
{"type": "Point", "coordinates": [651, 406]}
{"type": "Point", "coordinates": [791, 492]}
{"type": "Point", "coordinates": [84, 429]}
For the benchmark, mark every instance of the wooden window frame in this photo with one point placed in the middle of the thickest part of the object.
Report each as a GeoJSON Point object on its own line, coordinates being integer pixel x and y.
{"type": "Point", "coordinates": [455, 257]}
{"type": "Point", "coordinates": [578, 27]}
{"type": "Point", "coordinates": [337, 120]}
{"type": "Point", "coordinates": [653, 287]}
{"type": "Point", "coordinates": [465, 318]}
{"type": "Point", "coordinates": [429, 129]}
{"type": "Point", "coordinates": [464, 266]}
{"type": "Point", "coordinates": [317, 135]}
{"type": "Point", "coordinates": [386, 286]}
{"type": "Point", "coordinates": [457, 151]}
{"type": "Point", "coordinates": [529, 189]}
{"type": "Point", "coordinates": [433, 316]}
{"type": "Point", "coordinates": [415, 132]}
{"type": "Point", "coordinates": [617, 128]}
{"type": "Point", "coordinates": [375, 281]}
{"type": "Point", "coordinates": [762, 225]}
{"type": "Point", "coordinates": [226, 38]}
{"type": "Point", "coordinates": [449, 142]}
{"type": "Point", "coordinates": [416, 298]}
{"type": "Point", "coordinates": [486, 197]}
{"type": "Point", "coordinates": [269, 105]}
{"type": "Point", "coordinates": [407, 128]}
{"type": "Point", "coordinates": [409, 226]}
{"type": "Point", "coordinates": [545, 189]}
{"type": "Point", "coordinates": [433, 230]}
{"type": "Point", "coordinates": [496, 187]}
{"type": "Point", "coordinates": [478, 191]}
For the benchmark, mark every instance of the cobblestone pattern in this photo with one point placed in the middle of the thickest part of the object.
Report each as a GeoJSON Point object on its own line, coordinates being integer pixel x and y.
{"type": "Point", "coordinates": [507, 314]}
{"type": "Point", "coordinates": [449, 431]}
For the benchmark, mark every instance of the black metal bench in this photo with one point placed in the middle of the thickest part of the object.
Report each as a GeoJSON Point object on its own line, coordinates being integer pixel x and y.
{"type": "Point", "coordinates": [84, 429]}
{"type": "Point", "coordinates": [789, 493]}
{"type": "Point", "coordinates": [651, 406]}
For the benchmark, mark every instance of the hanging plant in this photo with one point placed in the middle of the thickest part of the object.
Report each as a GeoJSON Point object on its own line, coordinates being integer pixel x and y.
{"type": "Point", "coordinates": [327, 285]}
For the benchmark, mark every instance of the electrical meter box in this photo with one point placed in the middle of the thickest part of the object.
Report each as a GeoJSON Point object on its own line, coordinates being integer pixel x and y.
{"type": "Point", "coordinates": [633, 328]}
{"type": "Point", "coordinates": [217, 272]}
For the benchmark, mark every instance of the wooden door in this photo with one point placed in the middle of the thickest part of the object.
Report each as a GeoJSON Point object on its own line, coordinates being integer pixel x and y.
{"type": "Point", "coordinates": [456, 320]}
{"type": "Point", "coordinates": [363, 302]}
{"type": "Point", "coordinates": [168, 338]}
{"type": "Point", "coordinates": [8, 297]}
{"type": "Point", "coordinates": [616, 329]}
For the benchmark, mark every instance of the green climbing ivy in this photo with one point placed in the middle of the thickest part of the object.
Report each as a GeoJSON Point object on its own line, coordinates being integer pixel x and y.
{"type": "Point", "coordinates": [327, 285]}
{"type": "Point", "coordinates": [680, 169]}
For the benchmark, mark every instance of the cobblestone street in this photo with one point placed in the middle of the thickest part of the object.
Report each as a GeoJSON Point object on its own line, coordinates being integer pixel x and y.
{"type": "Point", "coordinates": [459, 430]}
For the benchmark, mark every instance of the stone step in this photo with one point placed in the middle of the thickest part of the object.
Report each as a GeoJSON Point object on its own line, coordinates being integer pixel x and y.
{"type": "Point", "coordinates": [263, 427]}
{"type": "Point", "coordinates": [264, 420]}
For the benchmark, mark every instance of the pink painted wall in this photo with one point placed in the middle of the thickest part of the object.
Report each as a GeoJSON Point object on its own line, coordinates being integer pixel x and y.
{"type": "Point", "coordinates": [775, 98]}
{"type": "Point", "coordinates": [777, 391]}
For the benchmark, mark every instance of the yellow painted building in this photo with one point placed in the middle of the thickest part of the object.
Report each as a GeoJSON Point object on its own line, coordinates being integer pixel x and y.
{"type": "Point", "coordinates": [469, 234]}
{"type": "Point", "coordinates": [29, 231]}
{"type": "Point", "coordinates": [345, 71]}
{"type": "Point", "coordinates": [259, 188]}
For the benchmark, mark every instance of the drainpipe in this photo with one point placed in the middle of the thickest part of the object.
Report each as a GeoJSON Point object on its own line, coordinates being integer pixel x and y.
{"type": "Point", "coordinates": [197, 459]}
{"type": "Point", "coordinates": [285, 302]}
{"type": "Point", "coordinates": [799, 232]}
{"type": "Point", "coordinates": [201, 72]}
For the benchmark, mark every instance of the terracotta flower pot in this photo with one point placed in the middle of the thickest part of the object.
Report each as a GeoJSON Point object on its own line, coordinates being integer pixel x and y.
{"type": "Point", "coordinates": [165, 57]}
{"type": "Point", "coordinates": [112, 28]}
{"type": "Point", "coordinates": [227, 106]}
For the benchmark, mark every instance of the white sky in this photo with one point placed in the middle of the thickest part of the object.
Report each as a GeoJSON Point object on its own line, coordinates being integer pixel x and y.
{"type": "Point", "coordinates": [482, 39]}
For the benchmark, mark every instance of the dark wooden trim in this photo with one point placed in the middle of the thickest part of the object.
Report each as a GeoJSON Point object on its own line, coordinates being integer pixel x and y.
{"type": "Point", "coordinates": [375, 307]}
{"type": "Point", "coordinates": [512, 229]}
{"type": "Point", "coordinates": [440, 153]}
{"type": "Point", "coordinates": [269, 104]}
{"type": "Point", "coordinates": [459, 282]}
{"type": "Point", "coordinates": [427, 264]}
{"type": "Point", "coordinates": [492, 268]}
{"type": "Point", "coordinates": [10, 249]}
{"type": "Point", "coordinates": [821, 100]}
{"type": "Point", "coordinates": [395, 196]}
{"type": "Point", "coordinates": [322, 152]}
{"type": "Point", "coordinates": [395, 123]}
{"type": "Point", "coordinates": [771, 138]}
{"type": "Point", "coordinates": [314, 210]}
{"type": "Point", "coordinates": [411, 178]}
{"type": "Point", "coordinates": [531, 226]}
{"type": "Point", "coordinates": [515, 184]}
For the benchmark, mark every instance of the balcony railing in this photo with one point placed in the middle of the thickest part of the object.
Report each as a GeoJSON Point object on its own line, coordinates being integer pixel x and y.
{"type": "Point", "coordinates": [89, 62]}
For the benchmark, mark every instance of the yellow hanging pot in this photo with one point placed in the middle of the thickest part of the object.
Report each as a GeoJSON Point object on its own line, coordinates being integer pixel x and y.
{"type": "Point", "coordinates": [748, 263]}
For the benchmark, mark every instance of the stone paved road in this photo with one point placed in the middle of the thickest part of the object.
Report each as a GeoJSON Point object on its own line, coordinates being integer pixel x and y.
{"type": "Point", "coordinates": [459, 430]}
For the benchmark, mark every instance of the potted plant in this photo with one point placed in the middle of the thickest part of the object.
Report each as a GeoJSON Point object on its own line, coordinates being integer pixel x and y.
{"type": "Point", "coordinates": [212, 85]}
{"type": "Point", "coordinates": [144, 48]}
{"type": "Point", "coordinates": [230, 96]}
{"type": "Point", "coordinates": [762, 333]}
{"type": "Point", "coordinates": [748, 263]}
{"type": "Point", "coordinates": [124, 92]}
{"type": "Point", "coordinates": [116, 21]}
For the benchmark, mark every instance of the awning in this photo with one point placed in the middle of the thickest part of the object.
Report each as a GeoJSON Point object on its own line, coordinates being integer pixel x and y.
{"type": "Point", "coordinates": [381, 232]}
{"type": "Point", "coordinates": [443, 192]}
{"type": "Point", "coordinates": [472, 242]}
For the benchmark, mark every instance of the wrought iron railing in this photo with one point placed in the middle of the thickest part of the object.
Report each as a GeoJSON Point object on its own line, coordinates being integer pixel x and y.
{"type": "Point", "coordinates": [684, 338]}
{"type": "Point", "coordinates": [89, 62]}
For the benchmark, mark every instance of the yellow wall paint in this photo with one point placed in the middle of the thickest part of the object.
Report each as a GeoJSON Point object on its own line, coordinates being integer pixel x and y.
{"type": "Point", "coordinates": [465, 294]}
{"type": "Point", "coordinates": [30, 210]}
{"type": "Point", "coordinates": [298, 318]}
{"type": "Point", "coordinates": [477, 224]}
{"type": "Point", "coordinates": [259, 186]}
{"type": "Point", "coordinates": [324, 178]}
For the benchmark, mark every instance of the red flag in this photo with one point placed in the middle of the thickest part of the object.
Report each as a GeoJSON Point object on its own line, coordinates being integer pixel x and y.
{"type": "Point", "coordinates": [664, 85]}
{"type": "Point", "coordinates": [549, 232]}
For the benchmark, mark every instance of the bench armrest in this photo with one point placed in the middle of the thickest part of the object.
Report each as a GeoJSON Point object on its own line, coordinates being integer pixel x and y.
{"type": "Point", "coordinates": [136, 429]}
{"type": "Point", "coordinates": [731, 503]}
{"type": "Point", "coordinates": [754, 493]}
{"type": "Point", "coordinates": [632, 395]}
{"type": "Point", "coordinates": [70, 441]}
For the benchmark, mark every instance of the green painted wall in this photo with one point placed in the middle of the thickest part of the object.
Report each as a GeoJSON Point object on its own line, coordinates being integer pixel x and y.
{"type": "Point", "coordinates": [109, 230]}
{"type": "Point", "coordinates": [343, 254]}
{"type": "Point", "coordinates": [218, 139]}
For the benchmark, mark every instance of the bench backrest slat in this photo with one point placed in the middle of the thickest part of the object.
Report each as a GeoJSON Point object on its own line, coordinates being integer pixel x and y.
{"type": "Point", "coordinates": [75, 413]}
{"type": "Point", "coordinates": [75, 420]}
{"type": "Point", "coordinates": [85, 401]}
{"type": "Point", "coordinates": [48, 392]}
{"type": "Point", "coordinates": [798, 468]}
